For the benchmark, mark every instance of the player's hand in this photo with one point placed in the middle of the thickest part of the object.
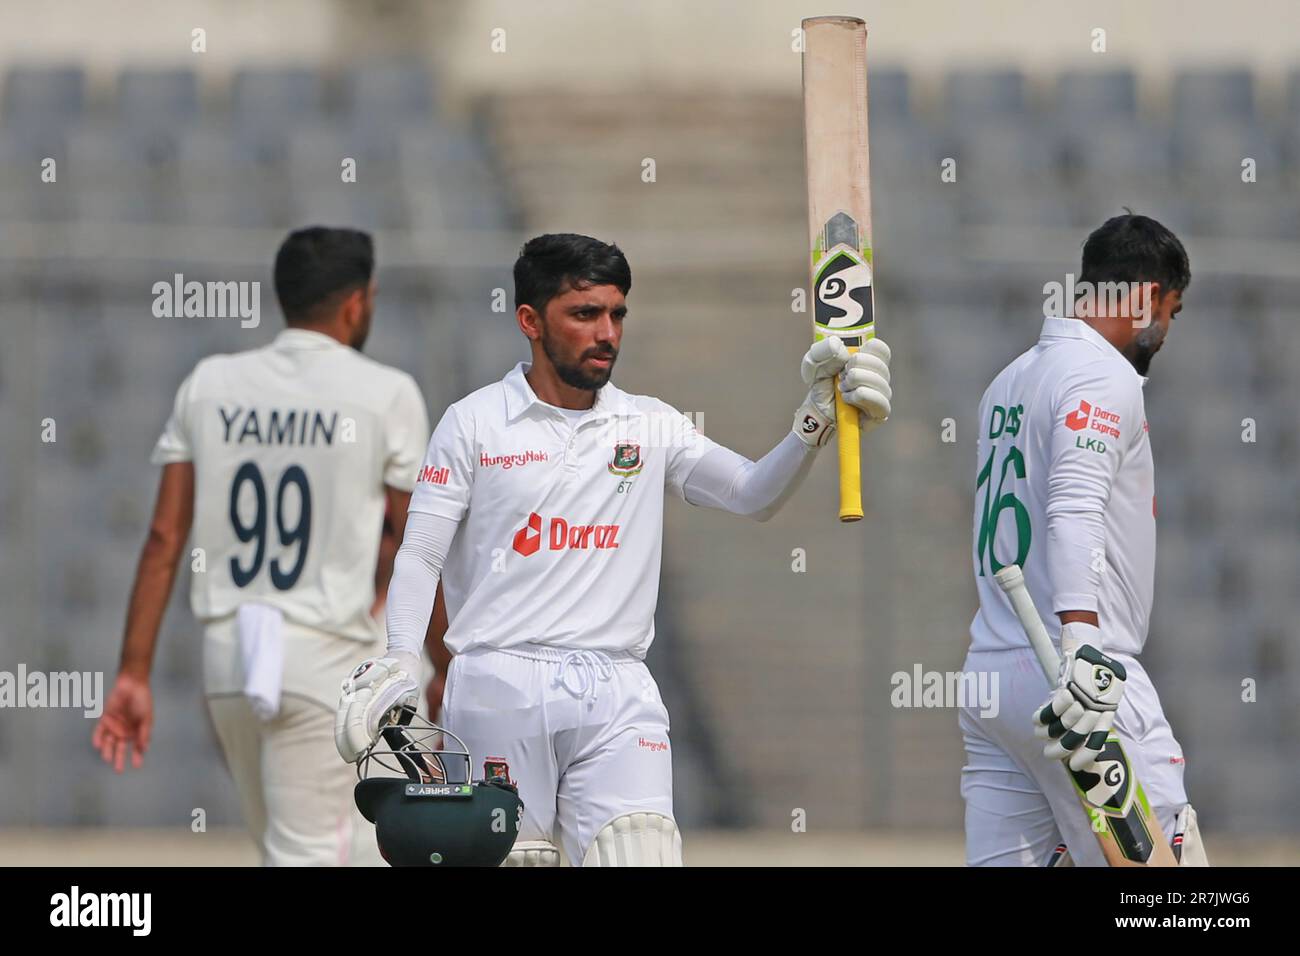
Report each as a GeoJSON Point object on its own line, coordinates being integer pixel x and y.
{"type": "Point", "coordinates": [126, 724]}
{"type": "Point", "coordinates": [433, 695]}
{"type": "Point", "coordinates": [1077, 718]}
{"type": "Point", "coordinates": [864, 384]}
{"type": "Point", "coordinates": [374, 688]}
{"type": "Point", "coordinates": [863, 380]}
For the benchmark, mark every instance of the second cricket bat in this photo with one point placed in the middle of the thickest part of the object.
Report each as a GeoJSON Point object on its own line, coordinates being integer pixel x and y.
{"type": "Point", "coordinates": [839, 210]}
{"type": "Point", "coordinates": [1123, 823]}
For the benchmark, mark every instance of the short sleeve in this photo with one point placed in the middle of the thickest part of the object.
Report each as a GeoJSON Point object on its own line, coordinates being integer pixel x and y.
{"type": "Point", "coordinates": [176, 443]}
{"type": "Point", "coordinates": [446, 476]}
{"type": "Point", "coordinates": [406, 433]}
{"type": "Point", "coordinates": [686, 446]}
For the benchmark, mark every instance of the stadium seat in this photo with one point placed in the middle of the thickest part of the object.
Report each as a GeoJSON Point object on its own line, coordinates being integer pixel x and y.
{"type": "Point", "coordinates": [1120, 153]}
{"type": "Point", "coordinates": [104, 152]}
{"type": "Point", "coordinates": [259, 97]}
{"type": "Point", "coordinates": [44, 95]}
{"type": "Point", "coordinates": [392, 89]}
{"type": "Point", "coordinates": [1211, 153]}
{"type": "Point", "coordinates": [1096, 95]}
{"type": "Point", "coordinates": [158, 97]}
{"type": "Point", "coordinates": [889, 93]}
{"type": "Point", "coordinates": [236, 159]}
{"type": "Point", "coordinates": [1006, 152]}
{"type": "Point", "coordinates": [917, 218]}
{"type": "Point", "coordinates": [907, 154]}
{"type": "Point", "coordinates": [981, 94]}
{"type": "Point", "coordinates": [1246, 212]}
{"type": "Point", "coordinates": [1207, 95]}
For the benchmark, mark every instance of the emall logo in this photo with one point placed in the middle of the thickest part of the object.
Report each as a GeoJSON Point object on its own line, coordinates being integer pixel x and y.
{"type": "Point", "coordinates": [563, 536]}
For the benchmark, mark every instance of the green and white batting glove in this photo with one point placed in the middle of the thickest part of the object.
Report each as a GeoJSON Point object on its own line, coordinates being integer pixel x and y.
{"type": "Point", "coordinates": [863, 381]}
{"type": "Point", "coordinates": [1078, 717]}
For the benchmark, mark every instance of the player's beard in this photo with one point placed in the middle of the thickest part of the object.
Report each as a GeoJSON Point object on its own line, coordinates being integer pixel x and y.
{"type": "Point", "coordinates": [574, 374]}
{"type": "Point", "coordinates": [363, 330]}
{"type": "Point", "coordinates": [1144, 346]}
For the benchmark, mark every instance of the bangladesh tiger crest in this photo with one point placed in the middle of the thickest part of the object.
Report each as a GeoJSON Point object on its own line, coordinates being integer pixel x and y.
{"type": "Point", "coordinates": [627, 460]}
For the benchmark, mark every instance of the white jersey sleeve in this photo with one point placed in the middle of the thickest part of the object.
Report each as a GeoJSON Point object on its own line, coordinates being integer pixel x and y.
{"type": "Point", "coordinates": [406, 430]}
{"type": "Point", "coordinates": [686, 447]}
{"type": "Point", "coordinates": [414, 584]}
{"type": "Point", "coordinates": [175, 443]}
{"type": "Point", "coordinates": [731, 482]}
{"type": "Point", "coordinates": [446, 478]}
{"type": "Point", "coordinates": [1082, 465]}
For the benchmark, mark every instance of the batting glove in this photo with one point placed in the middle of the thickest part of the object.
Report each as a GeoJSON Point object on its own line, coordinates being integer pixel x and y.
{"type": "Point", "coordinates": [863, 381]}
{"type": "Point", "coordinates": [373, 689]}
{"type": "Point", "coordinates": [1077, 718]}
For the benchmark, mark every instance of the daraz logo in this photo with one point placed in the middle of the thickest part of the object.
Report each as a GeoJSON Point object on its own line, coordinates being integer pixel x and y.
{"type": "Point", "coordinates": [1077, 420]}
{"type": "Point", "coordinates": [564, 536]}
{"type": "Point", "coordinates": [1101, 420]}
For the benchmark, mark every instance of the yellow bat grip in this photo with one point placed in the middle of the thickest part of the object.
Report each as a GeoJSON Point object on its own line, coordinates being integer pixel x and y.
{"type": "Point", "coordinates": [850, 443]}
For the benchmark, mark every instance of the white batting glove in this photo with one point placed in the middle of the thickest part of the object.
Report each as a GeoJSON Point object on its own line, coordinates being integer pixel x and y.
{"type": "Point", "coordinates": [864, 383]}
{"type": "Point", "coordinates": [1077, 718]}
{"type": "Point", "coordinates": [374, 688]}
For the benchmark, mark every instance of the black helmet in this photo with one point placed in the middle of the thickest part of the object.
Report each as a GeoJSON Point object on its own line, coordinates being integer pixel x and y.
{"type": "Point", "coordinates": [427, 811]}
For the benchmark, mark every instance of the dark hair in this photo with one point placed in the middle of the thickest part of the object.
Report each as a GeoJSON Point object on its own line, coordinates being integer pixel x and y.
{"type": "Point", "coordinates": [315, 263]}
{"type": "Point", "coordinates": [1133, 248]}
{"type": "Point", "coordinates": [548, 263]}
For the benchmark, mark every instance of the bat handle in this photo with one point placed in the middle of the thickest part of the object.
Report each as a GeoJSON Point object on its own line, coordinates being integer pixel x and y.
{"type": "Point", "coordinates": [850, 446]}
{"type": "Point", "coordinates": [1012, 581]}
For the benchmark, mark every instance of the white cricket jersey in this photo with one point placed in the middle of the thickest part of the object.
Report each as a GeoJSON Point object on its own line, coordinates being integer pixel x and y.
{"type": "Point", "coordinates": [1065, 487]}
{"type": "Point", "coordinates": [292, 446]}
{"type": "Point", "coordinates": [561, 515]}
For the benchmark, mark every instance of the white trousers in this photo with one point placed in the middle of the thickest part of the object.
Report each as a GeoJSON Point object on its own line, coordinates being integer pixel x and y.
{"type": "Point", "coordinates": [1019, 804]}
{"type": "Point", "coordinates": [294, 788]}
{"type": "Point", "coordinates": [584, 733]}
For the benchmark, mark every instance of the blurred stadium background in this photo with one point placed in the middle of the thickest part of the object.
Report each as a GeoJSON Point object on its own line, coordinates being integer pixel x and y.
{"type": "Point", "coordinates": [477, 125]}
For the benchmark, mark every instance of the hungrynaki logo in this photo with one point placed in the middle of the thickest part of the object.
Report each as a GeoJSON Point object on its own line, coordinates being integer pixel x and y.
{"type": "Point", "coordinates": [513, 460]}
{"type": "Point", "coordinates": [434, 475]}
{"type": "Point", "coordinates": [563, 536]}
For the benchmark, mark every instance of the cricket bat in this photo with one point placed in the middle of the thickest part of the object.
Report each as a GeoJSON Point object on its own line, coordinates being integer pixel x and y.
{"type": "Point", "coordinates": [1123, 824]}
{"type": "Point", "coordinates": [839, 210]}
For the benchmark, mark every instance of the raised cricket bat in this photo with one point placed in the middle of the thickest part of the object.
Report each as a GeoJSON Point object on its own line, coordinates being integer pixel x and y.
{"type": "Point", "coordinates": [839, 210]}
{"type": "Point", "coordinates": [1123, 824]}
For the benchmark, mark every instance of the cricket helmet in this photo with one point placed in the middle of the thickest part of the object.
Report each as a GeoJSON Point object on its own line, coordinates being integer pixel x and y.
{"type": "Point", "coordinates": [416, 787]}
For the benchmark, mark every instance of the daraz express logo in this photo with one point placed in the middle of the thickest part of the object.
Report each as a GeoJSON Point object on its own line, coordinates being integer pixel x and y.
{"type": "Point", "coordinates": [1102, 421]}
{"type": "Point", "coordinates": [562, 536]}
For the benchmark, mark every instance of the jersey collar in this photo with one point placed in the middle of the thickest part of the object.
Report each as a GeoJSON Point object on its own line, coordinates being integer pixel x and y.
{"type": "Point", "coordinates": [520, 397]}
{"type": "Point", "coordinates": [1057, 328]}
{"type": "Point", "coordinates": [294, 338]}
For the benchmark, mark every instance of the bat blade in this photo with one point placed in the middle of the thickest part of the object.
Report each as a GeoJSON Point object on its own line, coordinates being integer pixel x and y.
{"type": "Point", "coordinates": [1117, 807]}
{"type": "Point", "coordinates": [837, 161]}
